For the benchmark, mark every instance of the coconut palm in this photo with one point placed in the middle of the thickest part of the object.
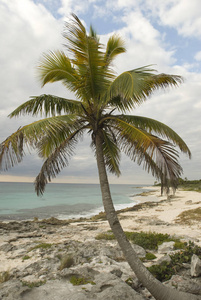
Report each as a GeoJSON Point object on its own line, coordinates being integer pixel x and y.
{"type": "Point", "coordinates": [102, 100]}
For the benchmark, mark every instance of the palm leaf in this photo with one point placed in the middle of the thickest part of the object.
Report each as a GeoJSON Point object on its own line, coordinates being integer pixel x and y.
{"type": "Point", "coordinates": [57, 161]}
{"type": "Point", "coordinates": [88, 59]}
{"type": "Point", "coordinates": [111, 153]}
{"type": "Point", "coordinates": [56, 66]}
{"type": "Point", "coordinates": [133, 87]}
{"type": "Point", "coordinates": [158, 155]}
{"type": "Point", "coordinates": [155, 127]}
{"type": "Point", "coordinates": [47, 105]}
{"type": "Point", "coordinates": [115, 46]}
{"type": "Point", "coordinates": [11, 150]}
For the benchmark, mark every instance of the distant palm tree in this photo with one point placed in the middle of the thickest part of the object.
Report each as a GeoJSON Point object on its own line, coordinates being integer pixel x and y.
{"type": "Point", "coordinates": [87, 71]}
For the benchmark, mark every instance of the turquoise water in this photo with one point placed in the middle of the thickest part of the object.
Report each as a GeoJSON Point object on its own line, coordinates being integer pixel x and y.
{"type": "Point", "coordinates": [19, 201]}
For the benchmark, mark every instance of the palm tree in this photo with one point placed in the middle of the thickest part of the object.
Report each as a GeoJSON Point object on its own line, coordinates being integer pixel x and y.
{"type": "Point", "coordinates": [102, 100]}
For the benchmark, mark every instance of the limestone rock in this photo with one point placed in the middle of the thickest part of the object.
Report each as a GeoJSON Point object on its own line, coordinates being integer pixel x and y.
{"type": "Point", "coordinates": [195, 266]}
{"type": "Point", "coordinates": [185, 285]}
{"type": "Point", "coordinates": [166, 247]}
{"type": "Point", "coordinates": [139, 250]}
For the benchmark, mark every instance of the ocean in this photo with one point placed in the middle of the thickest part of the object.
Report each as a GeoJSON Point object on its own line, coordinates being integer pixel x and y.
{"type": "Point", "coordinates": [18, 201]}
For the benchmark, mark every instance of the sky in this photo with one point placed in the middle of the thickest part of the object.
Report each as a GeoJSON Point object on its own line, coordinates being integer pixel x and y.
{"type": "Point", "coordinates": [165, 33]}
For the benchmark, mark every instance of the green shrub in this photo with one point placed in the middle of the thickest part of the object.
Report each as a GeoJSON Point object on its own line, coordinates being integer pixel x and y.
{"type": "Point", "coordinates": [162, 272]}
{"type": "Point", "coordinates": [179, 245]}
{"type": "Point", "coordinates": [41, 246]}
{"type": "Point", "coordinates": [4, 276]}
{"type": "Point", "coordinates": [26, 257]}
{"type": "Point", "coordinates": [167, 269]}
{"type": "Point", "coordinates": [105, 236]}
{"type": "Point", "coordinates": [150, 256]}
{"type": "Point", "coordinates": [80, 280]}
{"type": "Point", "coordinates": [66, 262]}
{"type": "Point", "coordinates": [33, 284]}
{"type": "Point", "coordinates": [147, 240]}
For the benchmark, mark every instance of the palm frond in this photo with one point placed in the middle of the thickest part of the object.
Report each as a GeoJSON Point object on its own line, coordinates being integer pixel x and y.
{"type": "Point", "coordinates": [58, 160]}
{"type": "Point", "coordinates": [111, 153]}
{"type": "Point", "coordinates": [133, 87]}
{"type": "Point", "coordinates": [115, 46]}
{"type": "Point", "coordinates": [56, 66]}
{"type": "Point", "coordinates": [155, 127]}
{"type": "Point", "coordinates": [157, 155]}
{"type": "Point", "coordinates": [47, 105]}
{"type": "Point", "coordinates": [12, 149]}
{"type": "Point", "coordinates": [88, 60]}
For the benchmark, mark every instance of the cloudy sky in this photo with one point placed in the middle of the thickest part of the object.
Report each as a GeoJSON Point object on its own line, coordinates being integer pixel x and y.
{"type": "Point", "coordinates": [166, 33]}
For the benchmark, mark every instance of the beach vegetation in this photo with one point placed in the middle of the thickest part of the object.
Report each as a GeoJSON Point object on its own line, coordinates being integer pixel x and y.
{"type": "Point", "coordinates": [165, 270]}
{"type": "Point", "coordinates": [102, 109]}
{"type": "Point", "coordinates": [26, 257]}
{"type": "Point", "coordinates": [33, 283]}
{"type": "Point", "coordinates": [147, 240]}
{"type": "Point", "coordinates": [150, 256]}
{"type": "Point", "coordinates": [76, 280]}
{"type": "Point", "coordinates": [189, 216]}
{"type": "Point", "coordinates": [4, 276]}
{"type": "Point", "coordinates": [41, 246]}
{"type": "Point", "coordinates": [66, 262]}
{"type": "Point", "coordinates": [190, 185]}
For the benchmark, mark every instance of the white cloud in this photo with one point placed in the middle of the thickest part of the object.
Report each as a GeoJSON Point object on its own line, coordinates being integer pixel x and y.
{"type": "Point", "coordinates": [183, 15]}
{"type": "Point", "coordinates": [198, 56]}
{"type": "Point", "coordinates": [28, 29]}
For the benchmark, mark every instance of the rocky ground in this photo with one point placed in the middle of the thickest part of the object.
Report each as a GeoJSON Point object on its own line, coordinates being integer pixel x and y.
{"type": "Point", "coordinates": [53, 259]}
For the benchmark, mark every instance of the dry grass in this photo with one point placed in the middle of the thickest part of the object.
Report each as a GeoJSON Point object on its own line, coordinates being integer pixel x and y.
{"type": "Point", "coordinates": [189, 216]}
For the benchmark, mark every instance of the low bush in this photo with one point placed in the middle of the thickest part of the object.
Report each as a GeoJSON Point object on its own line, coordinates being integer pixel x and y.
{"type": "Point", "coordinates": [80, 280]}
{"type": "Point", "coordinates": [147, 240]}
{"type": "Point", "coordinates": [66, 262]}
{"type": "Point", "coordinates": [167, 269]}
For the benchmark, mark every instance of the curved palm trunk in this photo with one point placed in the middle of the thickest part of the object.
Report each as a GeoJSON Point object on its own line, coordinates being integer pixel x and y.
{"type": "Point", "coordinates": [156, 288]}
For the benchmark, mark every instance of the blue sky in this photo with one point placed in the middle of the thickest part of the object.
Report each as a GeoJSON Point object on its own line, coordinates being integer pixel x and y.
{"type": "Point", "coordinates": [166, 33]}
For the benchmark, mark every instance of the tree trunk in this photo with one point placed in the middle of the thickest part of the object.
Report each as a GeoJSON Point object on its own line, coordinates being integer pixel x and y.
{"type": "Point", "coordinates": [155, 287]}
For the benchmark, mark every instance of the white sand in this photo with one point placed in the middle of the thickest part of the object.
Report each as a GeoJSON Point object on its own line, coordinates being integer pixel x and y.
{"type": "Point", "coordinates": [160, 218]}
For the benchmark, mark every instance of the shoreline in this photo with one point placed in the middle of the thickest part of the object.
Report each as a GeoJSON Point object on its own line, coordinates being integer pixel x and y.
{"type": "Point", "coordinates": [31, 252]}
{"type": "Point", "coordinates": [151, 213]}
{"type": "Point", "coordinates": [67, 211]}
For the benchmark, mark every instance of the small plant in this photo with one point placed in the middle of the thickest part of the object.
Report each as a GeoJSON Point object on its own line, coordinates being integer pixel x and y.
{"type": "Point", "coordinates": [4, 276]}
{"type": "Point", "coordinates": [41, 246]}
{"type": "Point", "coordinates": [105, 236]}
{"type": "Point", "coordinates": [129, 281]}
{"type": "Point", "coordinates": [26, 257]}
{"type": "Point", "coordinates": [180, 245]}
{"type": "Point", "coordinates": [66, 262]}
{"type": "Point", "coordinates": [150, 256]}
{"type": "Point", "coordinates": [167, 269]}
{"type": "Point", "coordinates": [33, 284]}
{"type": "Point", "coordinates": [147, 240]}
{"type": "Point", "coordinates": [80, 281]}
{"type": "Point", "coordinates": [189, 216]}
{"type": "Point", "coordinates": [163, 272]}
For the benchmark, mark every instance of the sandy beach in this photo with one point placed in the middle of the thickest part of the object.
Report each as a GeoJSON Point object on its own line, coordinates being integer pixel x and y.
{"type": "Point", "coordinates": [153, 213]}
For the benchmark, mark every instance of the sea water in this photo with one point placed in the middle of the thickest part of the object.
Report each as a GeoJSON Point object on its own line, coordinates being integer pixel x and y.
{"type": "Point", "coordinates": [64, 201]}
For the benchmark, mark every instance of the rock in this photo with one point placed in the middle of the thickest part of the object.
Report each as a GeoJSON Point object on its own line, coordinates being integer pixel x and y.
{"type": "Point", "coordinates": [166, 247]}
{"type": "Point", "coordinates": [139, 250]}
{"type": "Point", "coordinates": [195, 266]}
{"type": "Point", "coordinates": [185, 285]}
{"type": "Point", "coordinates": [12, 290]}
{"type": "Point", "coordinates": [7, 247]}
{"type": "Point", "coordinates": [110, 287]}
{"type": "Point", "coordinates": [117, 272]}
{"type": "Point", "coordinates": [165, 258]}
{"type": "Point", "coordinates": [189, 202]}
